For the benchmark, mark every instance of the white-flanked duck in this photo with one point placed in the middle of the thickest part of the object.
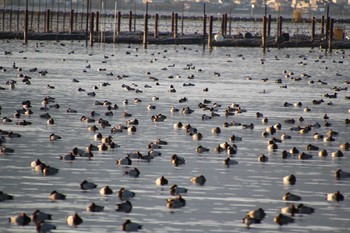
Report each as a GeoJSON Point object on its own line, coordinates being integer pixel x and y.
{"type": "Point", "coordinates": [125, 194]}
{"type": "Point", "coordinates": [85, 185]}
{"type": "Point", "coordinates": [54, 196]}
{"type": "Point", "coordinates": [94, 208]}
{"type": "Point", "coordinates": [175, 203]}
{"type": "Point", "coordinates": [198, 180]}
{"type": "Point", "coordinates": [176, 190]}
{"type": "Point", "coordinates": [21, 219]}
{"type": "Point", "coordinates": [106, 190]}
{"type": "Point", "coordinates": [337, 196]}
{"type": "Point", "coordinates": [74, 220]}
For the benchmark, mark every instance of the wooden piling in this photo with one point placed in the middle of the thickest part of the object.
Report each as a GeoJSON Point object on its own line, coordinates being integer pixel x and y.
{"type": "Point", "coordinates": [269, 26]}
{"type": "Point", "coordinates": [97, 26]}
{"type": "Point", "coordinates": [91, 29]}
{"type": "Point", "coordinates": [3, 17]}
{"type": "Point", "coordinates": [327, 29]}
{"type": "Point", "coordinates": [11, 17]}
{"type": "Point", "coordinates": [26, 24]}
{"type": "Point", "coordinates": [47, 20]}
{"type": "Point", "coordinates": [222, 24]}
{"type": "Point", "coordinates": [175, 25]}
{"type": "Point", "coordinates": [119, 16]}
{"type": "Point", "coordinates": [18, 12]}
{"type": "Point", "coordinates": [39, 13]}
{"type": "Point", "coordinates": [32, 17]}
{"type": "Point", "coordinates": [156, 19]}
{"type": "Point", "coordinates": [145, 31]}
{"type": "Point", "coordinates": [330, 39]}
{"type": "Point", "coordinates": [313, 20]}
{"type": "Point", "coordinates": [172, 22]}
{"type": "Point", "coordinates": [322, 25]}
{"type": "Point", "coordinates": [204, 25]}
{"type": "Point", "coordinates": [71, 20]}
{"type": "Point", "coordinates": [279, 26]}
{"type": "Point", "coordinates": [263, 34]}
{"type": "Point", "coordinates": [210, 35]}
{"type": "Point", "coordinates": [130, 21]}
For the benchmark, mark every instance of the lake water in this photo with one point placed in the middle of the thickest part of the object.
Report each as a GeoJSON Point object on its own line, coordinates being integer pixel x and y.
{"type": "Point", "coordinates": [229, 192]}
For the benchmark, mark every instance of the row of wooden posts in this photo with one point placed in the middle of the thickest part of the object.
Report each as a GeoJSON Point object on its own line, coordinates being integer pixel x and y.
{"type": "Point", "coordinates": [92, 19]}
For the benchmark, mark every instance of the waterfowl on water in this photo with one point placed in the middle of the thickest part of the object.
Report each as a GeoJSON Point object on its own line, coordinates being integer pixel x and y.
{"type": "Point", "coordinates": [162, 181]}
{"type": "Point", "coordinates": [337, 153]}
{"type": "Point", "coordinates": [291, 179]}
{"type": "Point", "coordinates": [337, 196]}
{"type": "Point", "coordinates": [263, 158]}
{"type": "Point", "coordinates": [68, 157]}
{"type": "Point", "coordinates": [106, 190]}
{"type": "Point", "coordinates": [176, 190]}
{"type": "Point", "coordinates": [302, 209]}
{"type": "Point", "coordinates": [175, 203]}
{"type": "Point", "coordinates": [21, 219]}
{"type": "Point", "coordinates": [94, 208]}
{"type": "Point", "coordinates": [291, 197]}
{"type": "Point", "coordinates": [132, 172]}
{"type": "Point", "coordinates": [124, 161]}
{"type": "Point", "coordinates": [304, 156]}
{"type": "Point", "coordinates": [85, 185]}
{"type": "Point", "coordinates": [44, 227]}
{"type": "Point", "coordinates": [198, 180]}
{"type": "Point", "coordinates": [74, 220]}
{"type": "Point", "coordinates": [177, 160]}
{"type": "Point", "coordinates": [54, 137]}
{"type": "Point", "coordinates": [49, 171]}
{"type": "Point", "coordinates": [54, 196]}
{"type": "Point", "coordinates": [289, 210]}
{"type": "Point", "coordinates": [254, 217]}
{"type": "Point", "coordinates": [125, 194]}
{"type": "Point", "coordinates": [130, 226]}
{"type": "Point", "coordinates": [40, 216]}
{"type": "Point", "coordinates": [283, 219]}
{"type": "Point", "coordinates": [4, 196]}
{"type": "Point", "coordinates": [124, 207]}
{"type": "Point", "coordinates": [340, 174]}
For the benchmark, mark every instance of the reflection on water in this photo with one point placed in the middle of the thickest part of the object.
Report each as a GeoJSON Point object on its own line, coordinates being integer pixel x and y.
{"type": "Point", "coordinates": [229, 192]}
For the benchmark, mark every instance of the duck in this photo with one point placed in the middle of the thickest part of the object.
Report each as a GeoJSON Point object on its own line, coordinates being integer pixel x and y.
{"type": "Point", "coordinates": [174, 109]}
{"type": "Point", "coordinates": [68, 157]}
{"type": "Point", "coordinates": [35, 163]}
{"type": "Point", "coordinates": [44, 227]}
{"type": "Point", "coordinates": [216, 130]}
{"type": "Point", "coordinates": [289, 210]}
{"type": "Point", "coordinates": [294, 150]}
{"type": "Point", "coordinates": [153, 146]}
{"type": "Point", "coordinates": [21, 219]}
{"type": "Point", "coordinates": [125, 194]}
{"type": "Point", "coordinates": [161, 181]}
{"type": "Point", "coordinates": [154, 153]}
{"type": "Point", "coordinates": [130, 226]}
{"type": "Point", "coordinates": [132, 129]}
{"type": "Point", "coordinates": [124, 207]}
{"type": "Point", "coordinates": [291, 197]}
{"type": "Point", "coordinates": [102, 147]}
{"type": "Point", "coordinates": [49, 171]}
{"type": "Point", "coordinates": [283, 219]}
{"type": "Point", "coordinates": [344, 146]}
{"type": "Point", "coordinates": [175, 203]}
{"type": "Point", "coordinates": [303, 209]}
{"type": "Point", "coordinates": [197, 136]}
{"type": "Point", "coordinates": [124, 161]}
{"type": "Point", "coordinates": [285, 154]}
{"type": "Point", "coordinates": [201, 149]}
{"type": "Point", "coordinates": [106, 190]}
{"type": "Point", "coordinates": [263, 158]}
{"type": "Point", "coordinates": [228, 162]}
{"type": "Point", "coordinates": [94, 208]}
{"type": "Point", "coordinates": [54, 137]}
{"type": "Point", "coordinates": [249, 221]}
{"type": "Point", "coordinates": [340, 174]}
{"type": "Point", "coordinates": [304, 156]}
{"type": "Point", "coordinates": [311, 147]}
{"type": "Point", "coordinates": [4, 196]}
{"type": "Point", "coordinates": [177, 190]}
{"type": "Point", "coordinates": [200, 180]}
{"type": "Point", "coordinates": [337, 153]}
{"type": "Point", "coordinates": [74, 220]}
{"type": "Point", "coordinates": [177, 125]}
{"type": "Point", "coordinates": [85, 185]}
{"type": "Point", "coordinates": [323, 153]}
{"type": "Point", "coordinates": [337, 196]}
{"type": "Point", "coordinates": [54, 196]}
{"type": "Point", "coordinates": [132, 172]}
{"type": "Point", "coordinates": [258, 214]}
{"type": "Point", "coordinates": [291, 179]}
{"type": "Point", "coordinates": [177, 160]}
{"type": "Point", "coordinates": [40, 216]}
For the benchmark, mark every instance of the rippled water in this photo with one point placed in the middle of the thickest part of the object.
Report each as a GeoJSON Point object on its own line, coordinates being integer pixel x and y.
{"type": "Point", "coordinates": [229, 192]}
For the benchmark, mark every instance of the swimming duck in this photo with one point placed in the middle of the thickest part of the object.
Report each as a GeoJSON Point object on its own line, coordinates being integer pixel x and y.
{"type": "Point", "coordinates": [291, 197]}
{"type": "Point", "coordinates": [21, 219]}
{"type": "Point", "coordinates": [303, 156]}
{"type": "Point", "coordinates": [54, 137]}
{"type": "Point", "coordinates": [130, 226]}
{"type": "Point", "coordinates": [175, 203]}
{"type": "Point", "coordinates": [124, 207]}
{"type": "Point", "coordinates": [132, 122]}
{"type": "Point", "coordinates": [337, 196]}
{"type": "Point", "coordinates": [201, 149]}
{"type": "Point", "coordinates": [94, 208]}
{"type": "Point", "coordinates": [312, 147]}
{"type": "Point", "coordinates": [344, 146]}
{"type": "Point", "coordinates": [161, 181]}
{"type": "Point", "coordinates": [132, 129]}
{"type": "Point", "coordinates": [154, 153]}
{"type": "Point", "coordinates": [5, 196]}
{"type": "Point", "coordinates": [283, 219]}
{"type": "Point", "coordinates": [289, 210]}
{"type": "Point", "coordinates": [125, 194]}
{"type": "Point", "coordinates": [294, 150]}
{"type": "Point", "coordinates": [197, 136]}
{"type": "Point", "coordinates": [263, 158]}
{"type": "Point", "coordinates": [49, 171]}
{"type": "Point", "coordinates": [35, 163]}
{"type": "Point", "coordinates": [102, 147]}
{"type": "Point", "coordinates": [291, 179]}
{"type": "Point", "coordinates": [229, 162]}
{"type": "Point", "coordinates": [323, 153]}
{"type": "Point", "coordinates": [198, 180]}
{"type": "Point", "coordinates": [249, 221]}
{"type": "Point", "coordinates": [177, 160]}
{"type": "Point", "coordinates": [40, 216]}
{"type": "Point", "coordinates": [44, 227]}
{"type": "Point", "coordinates": [176, 190]}
{"type": "Point", "coordinates": [302, 209]}
{"type": "Point", "coordinates": [85, 185]}
{"type": "Point", "coordinates": [257, 214]}
{"type": "Point", "coordinates": [132, 172]}
{"type": "Point", "coordinates": [106, 190]}
{"type": "Point", "coordinates": [216, 130]}
{"type": "Point", "coordinates": [74, 220]}
{"type": "Point", "coordinates": [337, 153]}
{"type": "Point", "coordinates": [54, 196]}
{"type": "Point", "coordinates": [340, 174]}
{"type": "Point", "coordinates": [124, 161]}
{"type": "Point", "coordinates": [68, 157]}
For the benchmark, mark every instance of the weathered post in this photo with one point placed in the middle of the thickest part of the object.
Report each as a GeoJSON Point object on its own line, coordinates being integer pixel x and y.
{"type": "Point", "coordinates": [3, 16]}
{"type": "Point", "coordinates": [204, 25]}
{"type": "Point", "coordinates": [156, 18]}
{"type": "Point", "coordinates": [313, 28]}
{"type": "Point", "coordinates": [11, 17]}
{"type": "Point", "coordinates": [47, 20]}
{"type": "Point", "coordinates": [175, 25]}
{"type": "Point", "coordinates": [97, 27]}
{"type": "Point", "coordinates": [210, 36]}
{"type": "Point", "coordinates": [26, 24]}
{"type": "Point", "coordinates": [269, 26]}
{"type": "Point", "coordinates": [18, 12]}
{"type": "Point", "coordinates": [39, 13]}
{"type": "Point", "coordinates": [91, 29]}
{"type": "Point", "coordinates": [145, 31]}
{"type": "Point", "coordinates": [119, 16]}
{"type": "Point", "coordinates": [263, 38]}
{"type": "Point", "coordinates": [130, 21]}
{"type": "Point", "coordinates": [71, 20]}
{"type": "Point", "coordinates": [330, 35]}
{"type": "Point", "coordinates": [279, 26]}
{"type": "Point", "coordinates": [322, 25]}
{"type": "Point", "coordinates": [172, 23]}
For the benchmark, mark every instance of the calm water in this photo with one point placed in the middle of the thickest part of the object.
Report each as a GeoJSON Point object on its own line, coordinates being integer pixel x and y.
{"type": "Point", "coordinates": [229, 192]}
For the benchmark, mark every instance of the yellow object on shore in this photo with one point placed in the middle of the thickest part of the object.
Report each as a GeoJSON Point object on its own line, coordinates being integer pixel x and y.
{"type": "Point", "coordinates": [338, 34]}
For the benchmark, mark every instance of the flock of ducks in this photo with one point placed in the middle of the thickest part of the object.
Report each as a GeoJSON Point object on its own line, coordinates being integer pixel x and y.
{"type": "Point", "coordinates": [178, 194]}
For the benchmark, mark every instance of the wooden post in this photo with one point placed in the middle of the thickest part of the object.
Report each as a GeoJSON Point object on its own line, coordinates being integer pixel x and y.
{"type": "Point", "coordinates": [327, 29]}
{"type": "Point", "coordinates": [71, 20]}
{"type": "Point", "coordinates": [279, 26]}
{"type": "Point", "coordinates": [87, 22]}
{"type": "Point", "coordinates": [64, 16]}
{"type": "Point", "coordinates": [229, 27]}
{"type": "Point", "coordinates": [47, 20]}
{"type": "Point", "coordinates": [32, 16]}
{"type": "Point", "coordinates": [172, 23]}
{"type": "Point", "coordinates": [156, 18]}
{"type": "Point", "coordinates": [210, 35]}
{"type": "Point", "coordinates": [119, 16]}
{"type": "Point", "coordinates": [330, 34]}
{"type": "Point", "coordinates": [269, 26]}
{"type": "Point", "coordinates": [18, 12]}
{"type": "Point", "coordinates": [58, 17]}
{"type": "Point", "coordinates": [182, 19]}
{"type": "Point", "coordinates": [322, 25]}
{"type": "Point", "coordinates": [11, 17]}
{"type": "Point", "coordinates": [263, 38]}
{"type": "Point", "coordinates": [91, 29]}
{"type": "Point", "coordinates": [26, 24]}
{"type": "Point", "coordinates": [39, 13]}
{"type": "Point", "coordinates": [97, 27]}
{"type": "Point", "coordinates": [145, 31]}
{"type": "Point", "coordinates": [204, 25]}
{"type": "Point", "coordinates": [130, 21]}
{"type": "Point", "coordinates": [313, 28]}
{"type": "Point", "coordinates": [3, 16]}
{"type": "Point", "coordinates": [222, 24]}
{"type": "Point", "coordinates": [175, 25]}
